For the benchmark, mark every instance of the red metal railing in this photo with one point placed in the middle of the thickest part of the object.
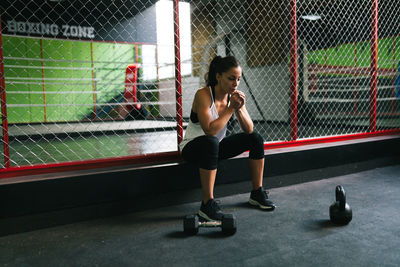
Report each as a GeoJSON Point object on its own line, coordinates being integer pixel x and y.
{"type": "Point", "coordinates": [6, 144]}
{"type": "Point", "coordinates": [374, 66]}
{"type": "Point", "coordinates": [293, 70]}
{"type": "Point", "coordinates": [178, 76]}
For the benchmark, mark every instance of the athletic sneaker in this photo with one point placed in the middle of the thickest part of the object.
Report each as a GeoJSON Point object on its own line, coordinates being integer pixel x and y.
{"type": "Point", "coordinates": [211, 211]}
{"type": "Point", "coordinates": [259, 198]}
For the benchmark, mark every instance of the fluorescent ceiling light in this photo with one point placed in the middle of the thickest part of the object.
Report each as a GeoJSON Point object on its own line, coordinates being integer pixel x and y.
{"type": "Point", "coordinates": [311, 17]}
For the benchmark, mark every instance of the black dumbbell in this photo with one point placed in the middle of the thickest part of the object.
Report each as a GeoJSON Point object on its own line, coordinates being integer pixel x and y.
{"type": "Point", "coordinates": [340, 212]}
{"type": "Point", "coordinates": [191, 224]}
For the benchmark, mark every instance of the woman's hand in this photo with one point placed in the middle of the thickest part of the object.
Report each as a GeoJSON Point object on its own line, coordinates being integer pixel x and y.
{"type": "Point", "coordinates": [243, 117]}
{"type": "Point", "coordinates": [238, 99]}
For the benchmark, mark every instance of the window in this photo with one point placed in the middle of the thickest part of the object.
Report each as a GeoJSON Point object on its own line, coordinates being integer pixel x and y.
{"type": "Point", "coordinates": [165, 38]}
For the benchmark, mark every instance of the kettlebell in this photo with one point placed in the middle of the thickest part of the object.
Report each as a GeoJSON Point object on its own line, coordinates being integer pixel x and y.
{"type": "Point", "coordinates": [340, 212]}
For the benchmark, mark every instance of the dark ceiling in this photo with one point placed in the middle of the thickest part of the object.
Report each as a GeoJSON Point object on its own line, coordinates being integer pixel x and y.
{"type": "Point", "coordinates": [67, 10]}
{"type": "Point", "coordinates": [342, 20]}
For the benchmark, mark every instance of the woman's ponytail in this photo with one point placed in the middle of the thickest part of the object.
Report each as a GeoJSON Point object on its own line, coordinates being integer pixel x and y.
{"type": "Point", "coordinates": [211, 79]}
{"type": "Point", "coordinates": [219, 65]}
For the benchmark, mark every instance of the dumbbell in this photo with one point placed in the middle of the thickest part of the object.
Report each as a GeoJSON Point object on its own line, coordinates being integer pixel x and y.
{"type": "Point", "coordinates": [191, 224]}
{"type": "Point", "coordinates": [340, 212]}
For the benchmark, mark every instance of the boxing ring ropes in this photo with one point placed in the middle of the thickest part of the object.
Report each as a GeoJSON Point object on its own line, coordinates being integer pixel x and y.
{"type": "Point", "coordinates": [174, 156]}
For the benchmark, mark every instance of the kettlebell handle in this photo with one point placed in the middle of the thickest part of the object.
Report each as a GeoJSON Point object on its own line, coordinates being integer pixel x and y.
{"type": "Point", "coordinates": [341, 197]}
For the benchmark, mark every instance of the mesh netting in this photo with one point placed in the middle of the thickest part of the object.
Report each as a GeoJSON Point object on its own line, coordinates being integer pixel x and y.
{"type": "Point", "coordinates": [97, 79]}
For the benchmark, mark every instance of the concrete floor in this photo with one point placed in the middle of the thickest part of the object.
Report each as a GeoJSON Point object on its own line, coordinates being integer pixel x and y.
{"type": "Point", "coordinates": [297, 233]}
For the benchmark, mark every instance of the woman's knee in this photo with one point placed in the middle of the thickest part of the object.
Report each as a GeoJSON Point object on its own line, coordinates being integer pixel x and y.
{"type": "Point", "coordinates": [257, 139]}
{"type": "Point", "coordinates": [256, 146]}
{"type": "Point", "coordinates": [209, 157]}
{"type": "Point", "coordinates": [210, 144]}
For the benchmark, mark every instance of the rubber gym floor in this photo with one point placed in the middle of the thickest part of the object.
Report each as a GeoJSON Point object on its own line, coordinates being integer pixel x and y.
{"type": "Point", "coordinates": [297, 233]}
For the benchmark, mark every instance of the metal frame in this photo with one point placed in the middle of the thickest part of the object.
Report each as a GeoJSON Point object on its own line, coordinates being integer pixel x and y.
{"type": "Point", "coordinates": [293, 70]}
{"type": "Point", "coordinates": [6, 143]}
{"type": "Point", "coordinates": [178, 77]}
{"type": "Point", "coordinates": [374, 65]}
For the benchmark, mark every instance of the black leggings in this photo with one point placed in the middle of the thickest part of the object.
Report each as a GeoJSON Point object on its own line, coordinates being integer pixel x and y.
{"type": "Point", "coordinates": [206, 150]}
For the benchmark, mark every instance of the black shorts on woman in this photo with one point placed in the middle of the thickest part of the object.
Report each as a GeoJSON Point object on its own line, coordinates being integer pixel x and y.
{"type": "Point", "coordinates": [206, 151]}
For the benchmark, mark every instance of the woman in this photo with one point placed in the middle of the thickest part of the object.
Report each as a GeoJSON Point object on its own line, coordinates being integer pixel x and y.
{"type": "Point", "coordinates": [205, 143]}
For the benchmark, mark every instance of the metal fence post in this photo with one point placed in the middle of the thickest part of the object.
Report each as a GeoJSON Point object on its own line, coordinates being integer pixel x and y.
{"type": "Point", "coordinates": [374, 66]}
{"type": "Point", "coordinates": [293, 70]}
{"type": "Point", "coordinates": [3, 105]}
{"type": "Point", "coordinates": [178, 77]}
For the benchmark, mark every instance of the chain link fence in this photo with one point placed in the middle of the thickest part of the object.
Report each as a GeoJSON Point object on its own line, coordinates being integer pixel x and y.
{"type": "Point", "coordinates": [340, 85]}
{"type": "Point", "coordinates": [88, 80]}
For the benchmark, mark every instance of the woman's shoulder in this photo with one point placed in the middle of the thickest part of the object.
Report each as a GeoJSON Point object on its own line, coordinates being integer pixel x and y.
{"type": "Point", "coordinates": [203, 92]}
{"type": "Point", "coordinates": [203, 96]}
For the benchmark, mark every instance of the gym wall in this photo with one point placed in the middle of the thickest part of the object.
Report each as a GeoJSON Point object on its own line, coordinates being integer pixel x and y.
{"type": "Point", "coordinates": [61, 80]}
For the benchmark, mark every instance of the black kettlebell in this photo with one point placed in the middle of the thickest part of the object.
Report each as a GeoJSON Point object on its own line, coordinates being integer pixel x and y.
{"type": "Point", "coordinates": [340, 212]}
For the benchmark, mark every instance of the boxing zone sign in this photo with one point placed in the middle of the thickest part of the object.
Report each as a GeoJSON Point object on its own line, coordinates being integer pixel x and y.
{"type": "Point", "coordinates": [39, 28]}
